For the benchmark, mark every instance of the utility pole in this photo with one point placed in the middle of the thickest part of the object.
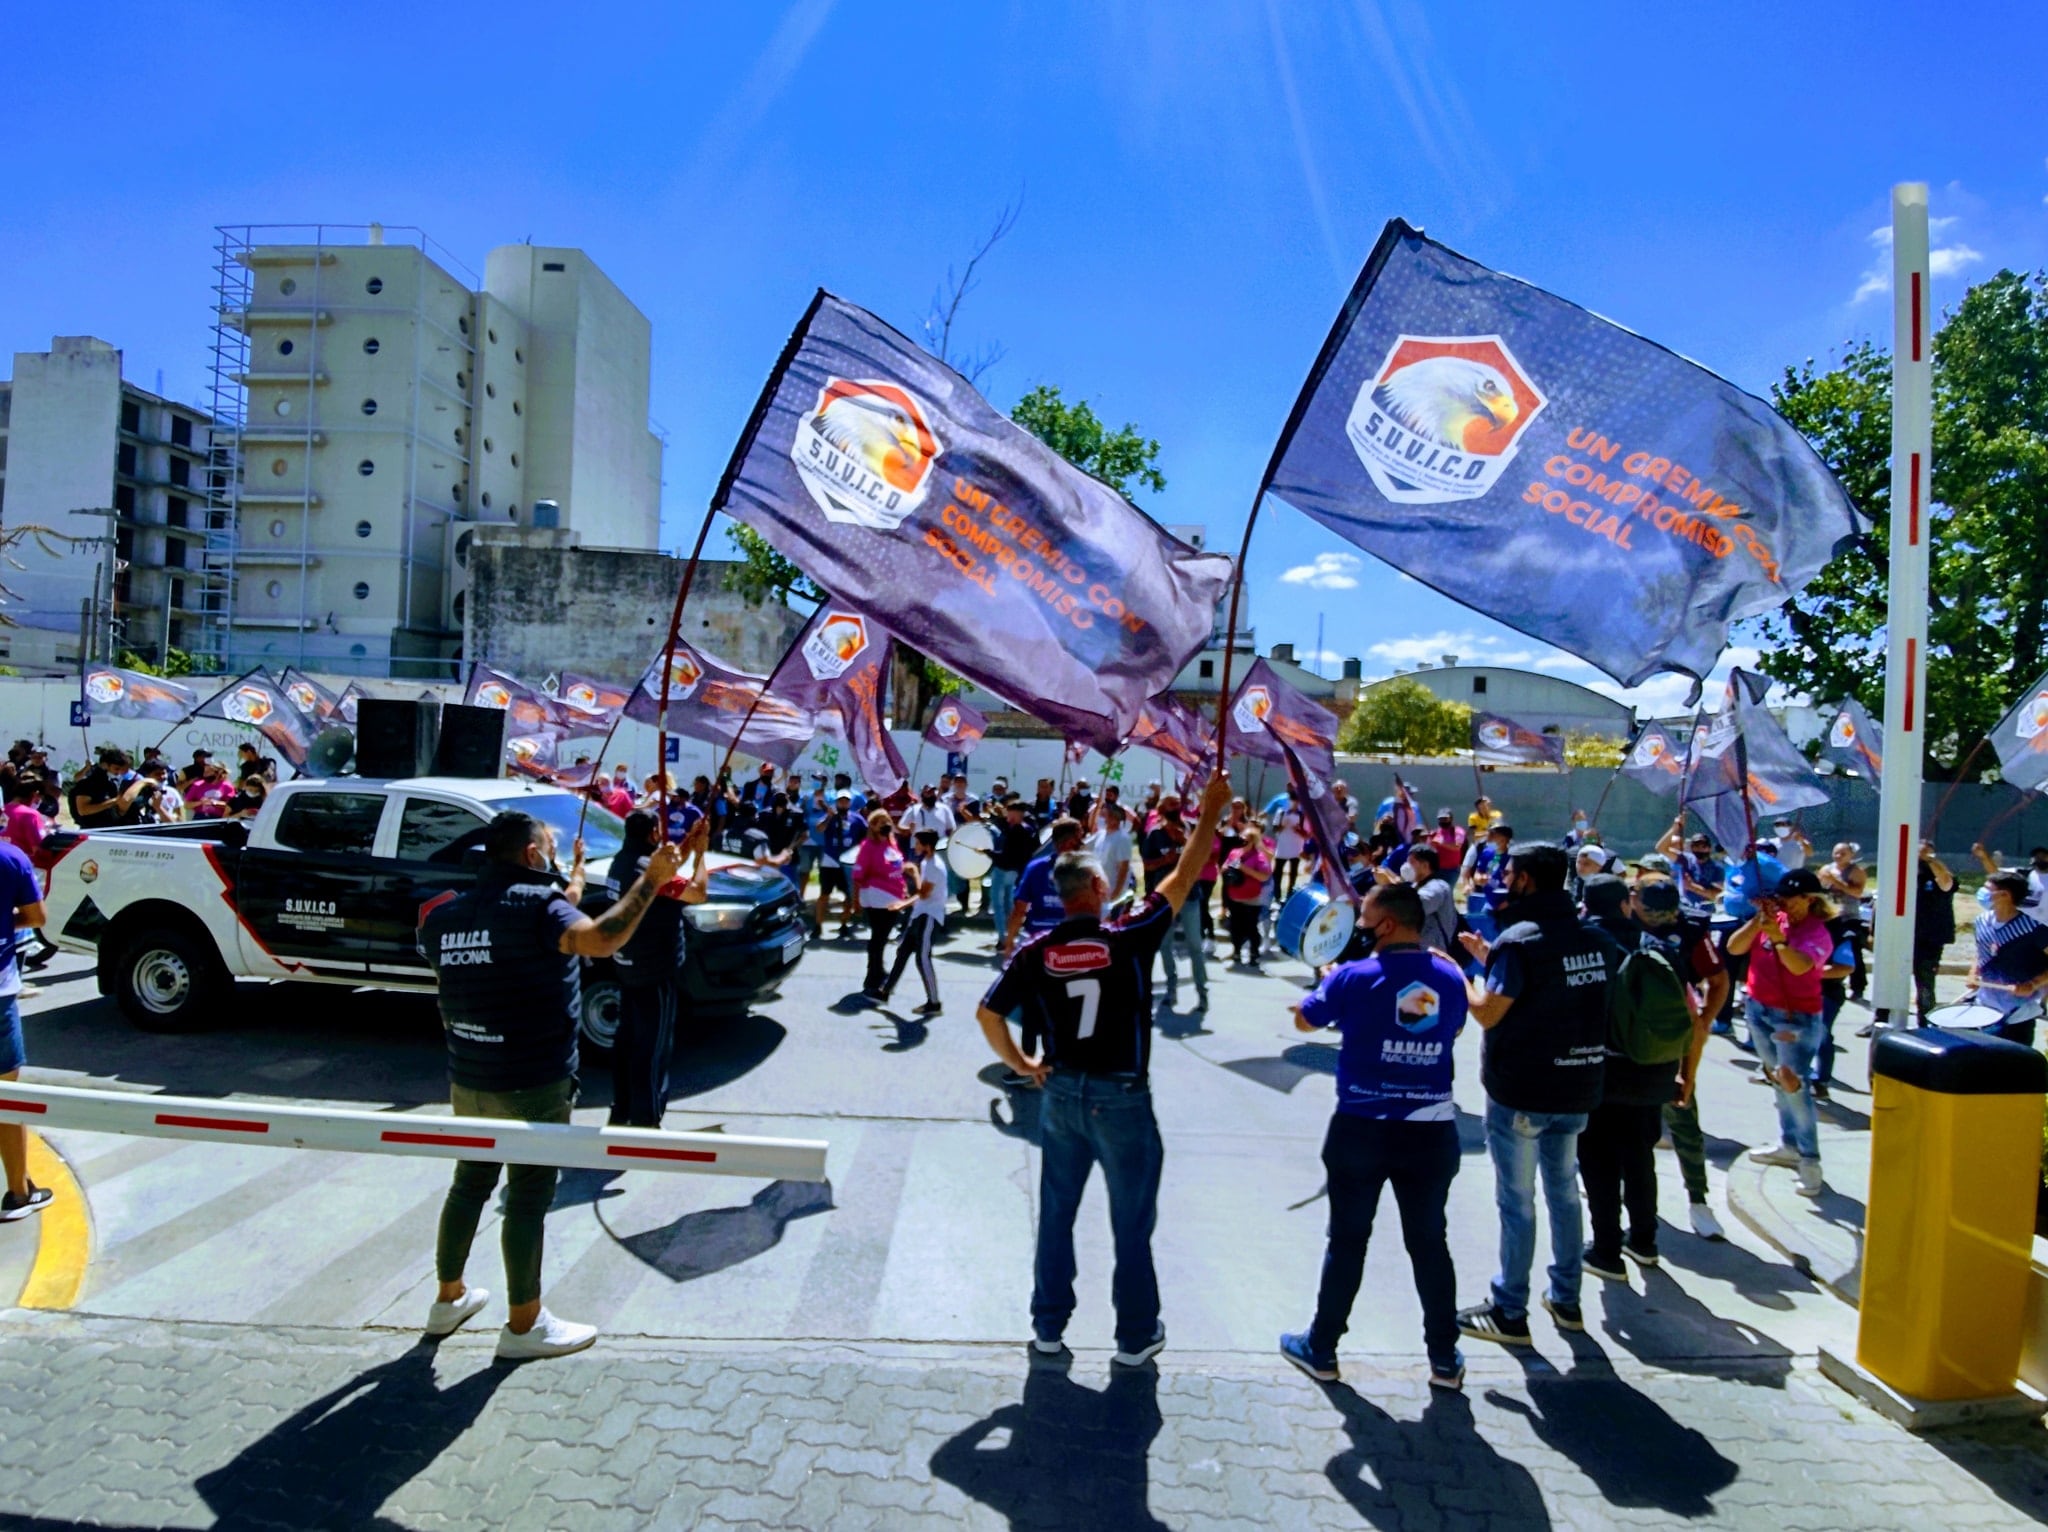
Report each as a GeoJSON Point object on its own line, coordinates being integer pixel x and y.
{"type": "Point", "coordinates": [105, 619]}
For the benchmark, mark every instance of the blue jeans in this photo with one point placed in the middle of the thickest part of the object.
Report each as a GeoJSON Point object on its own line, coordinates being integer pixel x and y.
{"type": "Point", "coordinates": [1002, 893]}
{"type": "Point", "coordinates": [1091, 1119]}
{"type": "Point", "coordinates": [1784, 1037]}
{"type": "Point", "coordinates": [1822, 1070]}
{"type": "Point", "coordinates": [1522, 1145]}
{"type": "Point", "coordinates": [1189, 925]}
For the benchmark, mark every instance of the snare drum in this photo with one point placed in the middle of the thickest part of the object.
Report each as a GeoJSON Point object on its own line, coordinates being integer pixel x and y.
{"type": "Point", "coordinates": [970, 851]}
{"type": "Point", "coordinates": [1966, 1016]}
{"type": "Point", "coordinates": [1315, 927]}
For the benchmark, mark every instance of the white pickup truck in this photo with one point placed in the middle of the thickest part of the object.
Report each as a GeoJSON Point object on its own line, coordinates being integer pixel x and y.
{"type": "Point", "coordinates": [326, 883]}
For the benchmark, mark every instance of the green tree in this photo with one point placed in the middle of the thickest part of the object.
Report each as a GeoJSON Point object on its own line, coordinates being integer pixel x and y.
{"type": "Point", "coordinates": [1988, 622]}
{"type": "Point", "coordinates": [1404, 717]}
{"type": "Point", "coordinates": [1123, 459]}
{"type": "Point", "coordinates": [760, 572]}
{"type": "Point", "coordinates": [176, 662]}
{"type": "Point", "coordinates": [1584, 747]}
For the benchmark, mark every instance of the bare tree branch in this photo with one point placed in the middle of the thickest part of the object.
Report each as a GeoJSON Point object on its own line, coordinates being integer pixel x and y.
{"type": "Point", "coordinates": [946, 301]}
{"type": "Point", "coordinates": [46, 538]}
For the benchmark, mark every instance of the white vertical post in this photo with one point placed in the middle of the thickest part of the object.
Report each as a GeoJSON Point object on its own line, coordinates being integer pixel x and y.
{"type": "Point", "coordinates": [1905, 681]}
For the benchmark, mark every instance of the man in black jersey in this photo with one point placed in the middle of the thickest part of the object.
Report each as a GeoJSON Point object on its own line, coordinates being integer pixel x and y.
{"type": "Point", "coordinates": [1084, 989]}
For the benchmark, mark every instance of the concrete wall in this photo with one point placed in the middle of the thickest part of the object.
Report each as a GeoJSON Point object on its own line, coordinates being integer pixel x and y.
{"type": "Point", "coordinates": [535, 611]}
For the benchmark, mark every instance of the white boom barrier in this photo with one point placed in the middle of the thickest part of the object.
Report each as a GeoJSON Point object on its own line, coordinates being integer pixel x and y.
{"type": "Point", "coordinates": [564, 1146]}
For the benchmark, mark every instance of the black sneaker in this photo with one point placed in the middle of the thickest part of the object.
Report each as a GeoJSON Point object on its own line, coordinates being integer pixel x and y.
{"type": "Point", "coordinates": [929, 1008]}
{"type": "Point", "coordinates": [1138, 1356]}
{"type": "Point", "coordinates": [1485, 1321]}
{"type": "Point", "coordinates": [1569, 1316]}
{"type": "Point", "coordinates": [1601, 1264]}
{"type": "Point", "coordinates": [13, 1207]}
{"type": "Point", "coordinates": [1450, 1375]}
{"type": "Point", "coordinates": [1645, 1258]}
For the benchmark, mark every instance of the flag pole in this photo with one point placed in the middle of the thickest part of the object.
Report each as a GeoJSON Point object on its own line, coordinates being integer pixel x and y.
{"type": "Point", "coordinates": [1905, 689]}
{"type": "Point", "coordinates": [1626, 751]}
{"type": "Point", "coordinates": [732, 745]}
{"type": "Point", "coordinates": [1244, 549]}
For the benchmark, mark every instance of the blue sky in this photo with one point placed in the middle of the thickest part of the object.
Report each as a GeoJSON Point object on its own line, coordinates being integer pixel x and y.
{"type": "Point", "coordinates": [1199, 180]}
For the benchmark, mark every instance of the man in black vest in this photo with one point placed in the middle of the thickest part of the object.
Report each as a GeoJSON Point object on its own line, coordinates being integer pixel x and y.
{"type": "Point", "coordinates": [648, 968]}
{"type": "Point", "coordinates": [1543, 1003]}
{"type": "Point", "coordinates": [506, 956]}
{"type": "Point", "coordinates": [1084, 988]}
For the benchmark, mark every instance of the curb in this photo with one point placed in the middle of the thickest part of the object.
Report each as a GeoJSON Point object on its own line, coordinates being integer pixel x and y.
{"type": "Point", "coordinates": [64, 1235]}
{"type": "Point", "coordinates": [1749, 1201]}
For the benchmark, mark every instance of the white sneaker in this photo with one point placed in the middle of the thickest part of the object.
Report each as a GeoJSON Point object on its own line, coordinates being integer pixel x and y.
{"type": "Point", "coordinates": [1784, 1154]}
{"type": "Point", "coordinates": [548, 1337]}
{"type": "Point", "coordinates": [1705, 1224]}
{"type": "Point", "coordinates": [1810, 1183]}
{"type": "Point", "coordinates": [447, 1318]}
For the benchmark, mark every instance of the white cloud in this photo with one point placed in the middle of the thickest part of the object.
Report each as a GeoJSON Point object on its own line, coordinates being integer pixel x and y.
{"type": "Point", "coordinates": [1330, 571]}
{"type": "Point", "coordinates": [1428, 646]}
{"type": "Point", "coordinates": [1942, 260]}
{"type": "Point", "coordinates": [1555, 663]}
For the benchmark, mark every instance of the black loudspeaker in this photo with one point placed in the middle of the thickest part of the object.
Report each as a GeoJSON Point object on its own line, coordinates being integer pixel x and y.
{"type": "Point", "coordinates": [472, 742]}
{"type": "Point", "coordinates": [396, 739]}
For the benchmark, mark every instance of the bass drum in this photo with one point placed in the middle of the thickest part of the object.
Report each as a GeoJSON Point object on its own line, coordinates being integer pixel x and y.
{"type": "Point", "coordinates": [970, 852]}
{"type": "Point", "coordinates": [1315, 927]}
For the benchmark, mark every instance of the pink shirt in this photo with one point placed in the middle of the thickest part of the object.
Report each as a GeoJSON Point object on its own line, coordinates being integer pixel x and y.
{"type": "Point", "coordinates": [1769, 981]}
{"type": "Point", "coordinates": [25, 828]}
{"type": "Point", "coordinates": [1449, 841]}
{"type": "Point", "coordinates": [1258, 864]}
{"type": "Point", "coordinates": [878, 868]}
{"type": "Point", "coordinates": [208, 800]}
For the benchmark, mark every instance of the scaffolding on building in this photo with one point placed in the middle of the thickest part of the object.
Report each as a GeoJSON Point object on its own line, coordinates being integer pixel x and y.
{"type": "Point", "coordinates": [227, 401]}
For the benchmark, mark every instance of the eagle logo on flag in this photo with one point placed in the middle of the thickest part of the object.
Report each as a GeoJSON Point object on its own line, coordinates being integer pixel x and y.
{"type": "Point", "coordinates": [837, 643]}
{"type": "Point", "coordinates": [1843, 735]}
{"type": "Point", "coordinates": [104, 687]}
{"type": "Point", "coordinates": [948, 721]}
{"type": "Point", "coordinates": [866, 453]}
{"type": "Point", "coordinates": [1494, 735]}
{"type": "Point", "coordinates": [523, 750]}
{"type": "Point", "coordinates": [493, 694]}
{"type": "Point", "coordinates": [683, 674]}
{"type": "Point", "coordinates": [1252, 708]}
{"type": "Point", "coordinates": [1650, 750]}
{"type": "Point", "coordinates": [2033, 719]}
{"type": "Point", "coordinates": [1440, 419]}
{"type": "Point", "coordinates": [304, 698]}
{"type": "Point", "coordinates": [250, 705]}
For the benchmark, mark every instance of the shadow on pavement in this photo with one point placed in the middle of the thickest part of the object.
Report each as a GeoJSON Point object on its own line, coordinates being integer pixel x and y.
{"type": "Point", "coordinates": [1667, 1327]}
{"type": "Point", "coordinates": [1027, 1106]}
{"type": "Point", "coordinates": [1624, 1441]}
{"type": "Point", "coordinates": [724, 1052]}
{"type": "Point", "coordinates": [1436, 1471]}
{"type": "Point", "coordinates": [2010, 1460]}
{"type": "Point", "coordinates": [701, 1243]}
{"type": "Point", "coordinates": [1294, 1065]}
{"type": "Point", "coordinates": [904, 1032]}
{"type": "Point", "coordinates": [1768, 1284]}
{"type": "Point", "coordinates": [1063, 1456]}
{"type": "Point", "coordinates": [1180, 1025]}
{"type": "Point", "coordinates": [335, 1461]}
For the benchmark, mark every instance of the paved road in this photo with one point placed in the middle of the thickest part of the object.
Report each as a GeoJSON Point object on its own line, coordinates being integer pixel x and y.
{"type": "Point", "coordinates": [827, 1347]}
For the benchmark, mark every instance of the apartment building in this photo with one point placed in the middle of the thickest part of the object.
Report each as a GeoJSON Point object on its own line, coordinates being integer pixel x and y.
{"type": "Point", "coordinates": [119, 477]}
{"type": "Point", "coordinates": [378, 402]}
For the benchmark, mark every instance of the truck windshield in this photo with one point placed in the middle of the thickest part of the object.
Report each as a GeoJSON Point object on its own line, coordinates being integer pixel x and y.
{"type": "Point", "coordinates": [603, 831]}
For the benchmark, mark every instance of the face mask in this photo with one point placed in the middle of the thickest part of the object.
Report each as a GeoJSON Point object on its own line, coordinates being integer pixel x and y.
{"type": "Point", "coordinates": [1407, 872]}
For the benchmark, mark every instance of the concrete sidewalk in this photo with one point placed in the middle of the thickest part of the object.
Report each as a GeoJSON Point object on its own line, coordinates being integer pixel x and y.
{"type": "Point", "coordinates": [136, 1424]}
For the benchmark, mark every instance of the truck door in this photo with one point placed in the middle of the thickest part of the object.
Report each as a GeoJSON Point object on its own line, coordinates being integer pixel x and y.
{"type": "Point", "coordinates": [434, 851]}
{"type": "Point", "coordinates": [307, 903]}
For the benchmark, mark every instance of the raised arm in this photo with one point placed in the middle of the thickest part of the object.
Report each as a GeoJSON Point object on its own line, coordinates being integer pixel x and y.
{"type": "Point", "coordinates": [1179, 883]}
{"type": "Point", "coordinates": [610, 931]}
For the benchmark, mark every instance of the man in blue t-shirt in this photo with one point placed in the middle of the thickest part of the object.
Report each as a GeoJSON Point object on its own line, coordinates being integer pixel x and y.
{"type": "Point", "coordinates": [1398, 1011]}
{"type": "Point", "coordinates": [1037, 905]}
{"type": "Point", "coordinates": [22, 889]}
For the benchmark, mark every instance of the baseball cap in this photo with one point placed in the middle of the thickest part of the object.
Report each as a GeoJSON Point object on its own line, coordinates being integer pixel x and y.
{"type": "Point", "coordinates": [1604, 894]}
{"type": "Point", "coordinates": [1653, 861]}
{"type": "Point", "coordinates": [1659, 900]}
{"type": "Point", "coordinates": [1798, 881]}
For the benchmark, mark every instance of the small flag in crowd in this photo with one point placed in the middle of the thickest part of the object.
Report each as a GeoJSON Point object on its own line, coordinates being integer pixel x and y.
{"type": "Point", "coordinates": [709, 700]}
{"type": "Point", "coordinates": [2021, 740]}
{"type": "Point", "coordinates": [837, 669]}
{"type": "Point", "coordinates": [313, 700]}
{"type": "Point", "coordinates": [1655, 761]}
{"type": "Point", "coordinates": [1498, 741]}
{"type": "Point", "coordinates": [345, 704]}
{"type": "Point", "coordinates": [258, 701]}
{"type": "Point", "coordinates": [1854, 740]}
{"type": "Point", "coordinates": [1513, 450]}
{"type": "Point", "coordinates": [1780, 779]}
{"type": "Point", "coordinates": [1169, 727]}
{"type": "Point", "coordinates": [588, 705]}
{"type": "Point", "coordinates": [527, 709]}
{"type": "Point", "coordinates": [885, 477]}
{"type": "Point", "coordinates": [955, 728]}
{"type": "Point", "coordinates": [117, 693]}
{"type": "Point", "coordinates": [1271, 721]}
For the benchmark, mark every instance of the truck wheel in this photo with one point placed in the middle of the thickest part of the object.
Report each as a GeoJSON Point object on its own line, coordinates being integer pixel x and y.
{"type": "Point", "coordinates": [167, 980]}
{"type": "Point", "coordinates": [600, 1014]}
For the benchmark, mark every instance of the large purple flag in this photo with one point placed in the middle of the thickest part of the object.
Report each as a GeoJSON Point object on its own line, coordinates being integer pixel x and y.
{"type": "Point", "coordinates": [260, 702]}
{"type": "Point", "coordinates": [1271, 721]}
{"type": "Point", "coordinates": [955, 728]}
{"type": "Point", "coordinates": [1856, 740]}
{"type": "Point", "coordinates": [1655, 761]}
{"type": "Point", "coordinates": [709, 700]}
{"type": "Point", "coordinates": [1498, 741]}
{"type": "Point", "coordinates": [1514, 451]}
{"type": "Point", "coordinates": [838, 668]}
{"type": "Point", "coordinates": [885, 477]}
{"type": "Point", "coordinates": [116, 693]}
